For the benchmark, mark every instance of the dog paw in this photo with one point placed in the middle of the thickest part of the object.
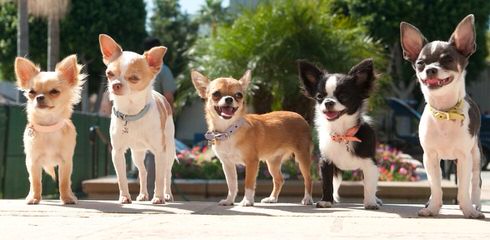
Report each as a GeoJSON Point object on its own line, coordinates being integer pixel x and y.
{"type": "Point", "coordinates": [307, 200]}
{"type": "Point", "coordinates": [158, 200]}
{"type": "Point", "coordinates": [125, 199]}
{"type": "Point", "coordinates": [33, 200]}
{"type": "Point", "coordinates": [473, 214]}
{"type": "Point", "coordinates": [225, 202]}
{"type": "Point", "coordinates": [371, 206]}
{"type": "Point", "coordinates": [142, 197]}
{"type": "Point", "coordinates": [269, 200]}
{"type": "Point", "coordinates": [70, 199]}
{"type": "Point", "coordinates": [426, 212]}
{"type": "Point", "coordinates": [246, 203]}
{"type": "Point", "coordinates": [169, 197]}
{"type": "Point", "coordinates": [324, 204]}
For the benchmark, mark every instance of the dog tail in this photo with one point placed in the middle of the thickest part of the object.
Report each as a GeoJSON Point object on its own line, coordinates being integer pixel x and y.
{"type": "Point", "coordinates": [50, 171]}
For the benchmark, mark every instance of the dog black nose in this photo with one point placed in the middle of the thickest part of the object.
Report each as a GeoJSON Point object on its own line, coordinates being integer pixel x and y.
{"type": "Point", "coordinates": [40, 98]}
{"type": "Point", "coordinates": [228, 100]}
{"type": "Point", "coordinates": [329, 103]}
{"type": "Point", "coordinates": [431, 72]}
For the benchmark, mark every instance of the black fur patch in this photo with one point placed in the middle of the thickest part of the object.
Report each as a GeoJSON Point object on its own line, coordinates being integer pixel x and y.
{"type": "Point", "coordinates": [475, 118]}
{"type": "Point", "coordinates": [366, 148]}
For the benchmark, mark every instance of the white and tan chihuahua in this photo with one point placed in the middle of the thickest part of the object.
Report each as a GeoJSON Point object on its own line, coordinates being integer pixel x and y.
{"type": "Point", "coordinates": [50, 136]}
{"type": "Point", "coordinates": [141, 118]}
{"type": "Point", "coordinates": [450, 124]}
{"type": "Point", "coordinates": [241, 138]}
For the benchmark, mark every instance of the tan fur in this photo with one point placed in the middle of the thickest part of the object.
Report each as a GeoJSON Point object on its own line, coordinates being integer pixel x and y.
{"type": "Point", "coordinates": [50, 149]}
{"type": "Point", "coordinates": [272, 137]}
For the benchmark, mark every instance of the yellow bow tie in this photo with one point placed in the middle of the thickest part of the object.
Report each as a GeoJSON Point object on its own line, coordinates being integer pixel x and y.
{"type": "Point", "coordinates": [454, 113]}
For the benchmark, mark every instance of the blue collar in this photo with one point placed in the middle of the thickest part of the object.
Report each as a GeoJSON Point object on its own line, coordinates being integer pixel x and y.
{"type": "Point", "coordinates": [130, 118]}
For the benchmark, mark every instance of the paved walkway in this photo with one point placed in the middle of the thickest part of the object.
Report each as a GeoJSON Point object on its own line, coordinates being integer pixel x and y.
{"type": "Point", "coordinates": [206, 220]}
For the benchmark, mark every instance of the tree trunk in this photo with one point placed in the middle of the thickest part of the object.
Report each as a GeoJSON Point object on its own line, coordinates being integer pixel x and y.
{"type": "Point", "coordinates": [53, 42]}
{"type": "Point", "coordinates": [22, 29]}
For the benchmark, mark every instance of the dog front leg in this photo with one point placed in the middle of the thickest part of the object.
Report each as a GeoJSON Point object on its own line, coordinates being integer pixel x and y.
{"type": "Point", "coordinates": [432, 166]}
{"type": "Point", "coordinates": [35, 189]}
{"type": "Point", "coordinates": [326, 169]}
{"type": "Point", "coordinates": [120, 166]}
{"type": "Point", "coordinates": [464, 170]}
{"type": "Point", "coordinates": [139, 161]}
{"type": "Point", "coordinates": [371, 175]}
{"type": "Point", "coordinates": [476, 181]}
{"type": "Point", "coordinates": [160, 172]}
{"type": "Point", "coordinates": [65, 170]}
{"type": "Point", "coordinates": [251, 170]}
{"type": "Point", "coordinates": [231, 180]}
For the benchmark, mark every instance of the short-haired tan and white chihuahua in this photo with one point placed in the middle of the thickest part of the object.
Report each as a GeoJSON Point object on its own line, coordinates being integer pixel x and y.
{"type": "Point", "coordinates": [50, 136]}
{"type": "Point", "coordinates": [241, 138]}
{"type": "Point", "coordinates": [141, 118]}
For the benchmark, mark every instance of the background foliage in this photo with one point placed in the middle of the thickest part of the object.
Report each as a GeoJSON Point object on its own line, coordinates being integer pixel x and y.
{"type": "Point", "coordinates": [79, 33]}
{"type": "Point", "coordinates": [270, 39]}
{"type": "Point", "coordinates": [437, 19]}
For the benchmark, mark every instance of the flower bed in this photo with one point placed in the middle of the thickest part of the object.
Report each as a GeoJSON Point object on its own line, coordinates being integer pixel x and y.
{"type": "Point", "coordinates": [200, 163]}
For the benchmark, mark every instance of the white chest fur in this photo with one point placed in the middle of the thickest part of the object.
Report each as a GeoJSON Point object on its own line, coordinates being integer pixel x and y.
{"type": "Point", "coordinates": [446, 137]}
{"type": "Point", "coordinates": [227, 151]}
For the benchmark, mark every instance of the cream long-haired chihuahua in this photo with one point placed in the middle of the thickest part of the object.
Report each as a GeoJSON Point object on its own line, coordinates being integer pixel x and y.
{"type": "Point", "coordinates": [141, 118]}
{"type": "Point", "coordinates": [241, 138]}
{"type": "Point", "coordinates": [50, 136]}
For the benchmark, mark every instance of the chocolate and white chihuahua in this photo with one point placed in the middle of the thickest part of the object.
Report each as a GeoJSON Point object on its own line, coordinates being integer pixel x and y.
{"type": "Point", "coordinates": [347, 140]}
{"type": "Point", "coordinates": [450, 124]}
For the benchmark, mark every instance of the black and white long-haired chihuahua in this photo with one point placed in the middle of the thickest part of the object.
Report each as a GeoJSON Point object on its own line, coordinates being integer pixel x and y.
{"type": "Point", "coordinates": [450, 125]}
{"type": "Point", "coordinates": [346, 140]}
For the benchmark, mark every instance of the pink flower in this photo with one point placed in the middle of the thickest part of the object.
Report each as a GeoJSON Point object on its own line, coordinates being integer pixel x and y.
{"type": "Point", "coordinates": [403, 171]}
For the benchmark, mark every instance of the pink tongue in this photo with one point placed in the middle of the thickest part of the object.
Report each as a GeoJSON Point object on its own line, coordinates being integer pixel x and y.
{"type": "Point", "coordinates": [433, 81]}
{"type": "Point", "coordinates": [331, 114]}
{"type": "Point", "coordinates": [227, 111]}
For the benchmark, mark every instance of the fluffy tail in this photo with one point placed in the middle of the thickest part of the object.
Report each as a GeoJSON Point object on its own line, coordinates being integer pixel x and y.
{"type": "Point", "coordinates": [50, 171]}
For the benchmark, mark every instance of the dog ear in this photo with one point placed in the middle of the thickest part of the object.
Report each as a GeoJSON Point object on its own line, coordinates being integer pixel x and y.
{"type": "Point", "coordinates": [25, 70]}
{"type": "Point", "coordinates": [463, 37]}
{"type": "Point", "coordinates": [246, 79]}
{"type": "Point", "coordinates": [68, 70]}
{"type": "Point", "coordinates": [363, 74]}
{"type": "Point", "coordinates": [200, 82]}
{"type": "Point", "coordinates": [412, 41]}
{"type": "Point", "coordinates": [154, 57]}
{"type": "Point", "coordinates": [109, 48]}
{"type": "Point", "coordinates": [310, 76]}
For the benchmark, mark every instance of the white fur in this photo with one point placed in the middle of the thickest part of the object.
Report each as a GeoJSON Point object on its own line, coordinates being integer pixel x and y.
{"type": "Point", "coordinates": [450, 140]}
{"type": "Point", "coordinates": [341, 157]}
{"type": "Point", "coordinates": [143, 135]}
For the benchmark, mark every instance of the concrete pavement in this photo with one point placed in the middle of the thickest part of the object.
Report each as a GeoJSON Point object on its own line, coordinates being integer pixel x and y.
{"type": "Point", "coordinates": [91, 219]}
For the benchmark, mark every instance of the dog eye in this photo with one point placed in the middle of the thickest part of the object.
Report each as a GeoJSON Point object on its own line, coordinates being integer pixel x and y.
{"type": "Point", "coordinates": [54, 92]}
{"type": "Point", "coordinates": [420, 63]}
{"type": "Point", "coordinates": [446, 59]}
{"type": "Point", "coordinates": [110, 74]}
{"type": "Point", "coordinates": [32, 92]}
{"type": "Point", "coordinates": [319, 97]}
{"type": "Point", "coordinates": [238, 96]}
{"type": "Point", "coordinates": [216, 95]}
{"type": "Point", "coordinates": [133, 79]}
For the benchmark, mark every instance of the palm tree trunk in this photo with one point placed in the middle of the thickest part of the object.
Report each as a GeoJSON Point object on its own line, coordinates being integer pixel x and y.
{"type": "Point", "coordinates": [53, 42]}
{"type": "Point", "coordinates": [22, 29]}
